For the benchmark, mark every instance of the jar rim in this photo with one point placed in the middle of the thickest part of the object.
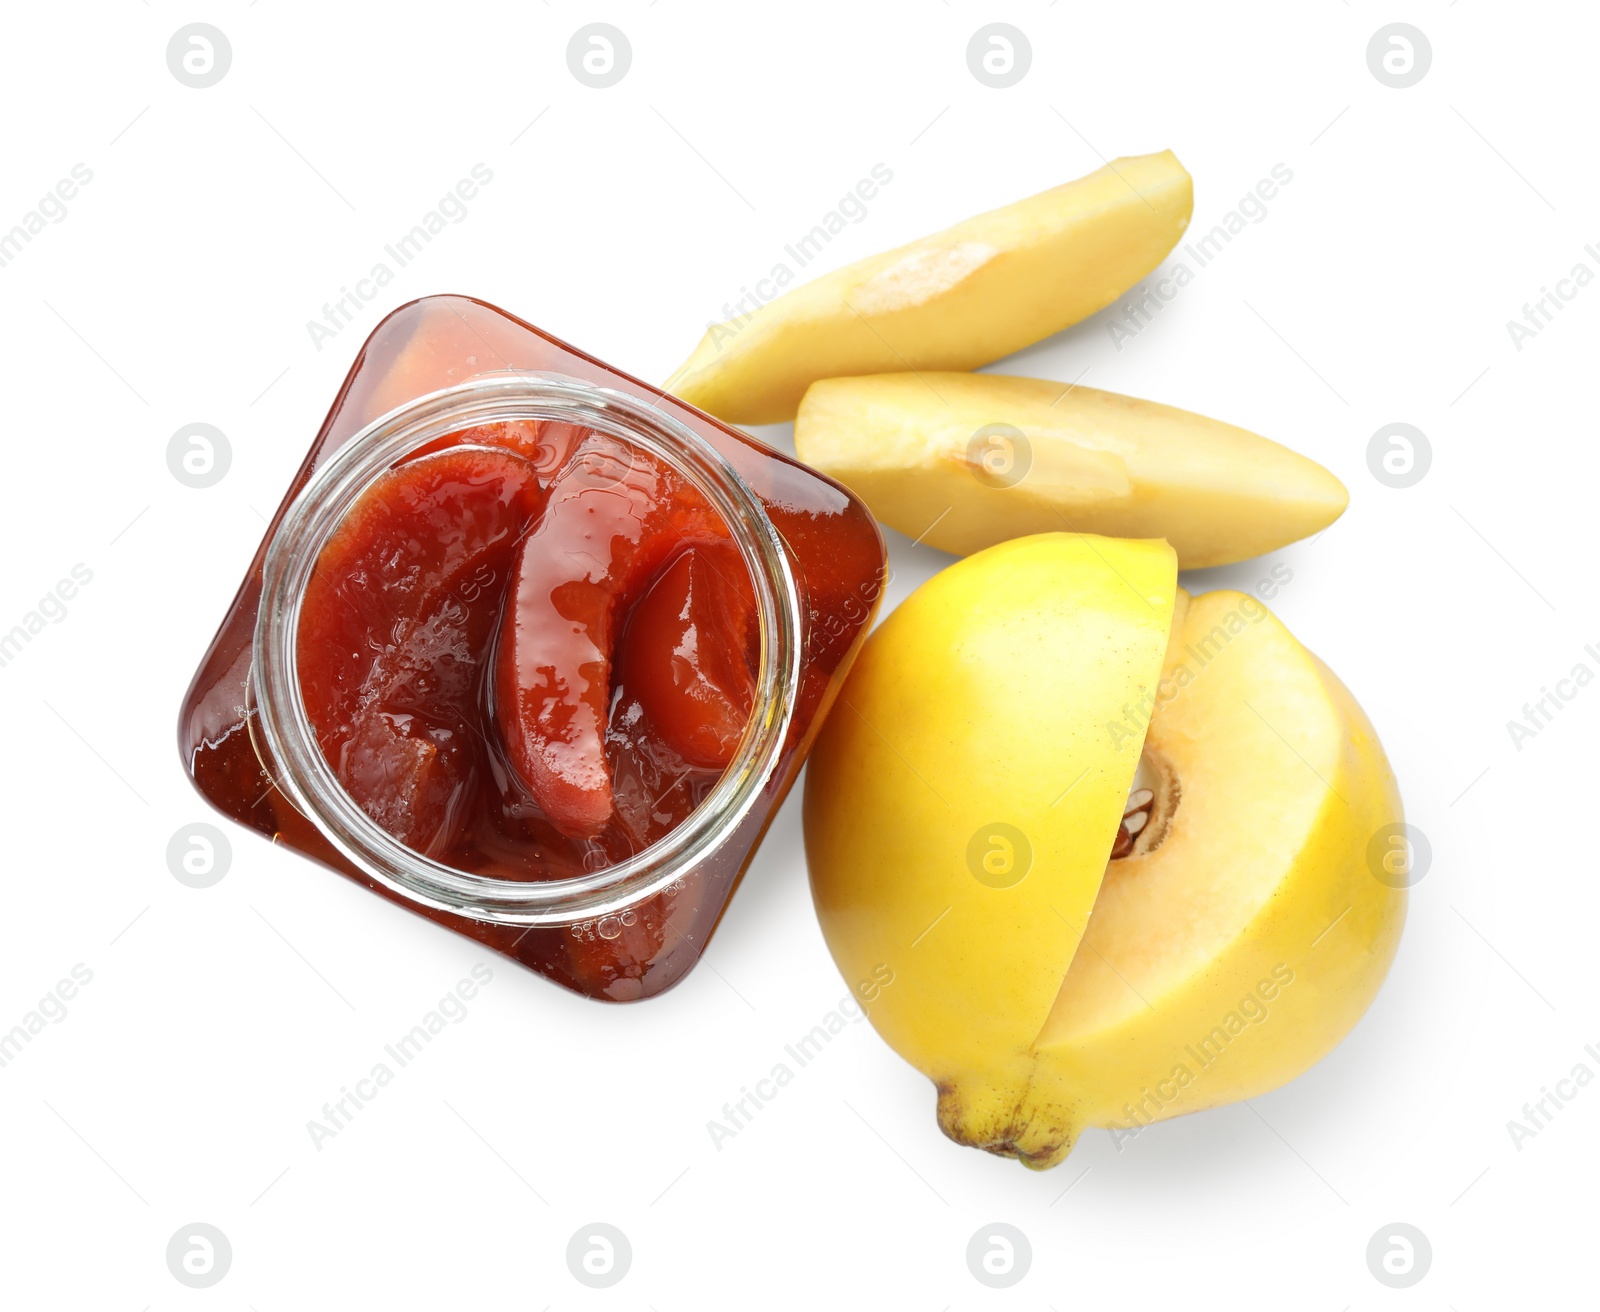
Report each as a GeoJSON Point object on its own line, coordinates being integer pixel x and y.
{"type": "Point", "coordinates": [288, 743]}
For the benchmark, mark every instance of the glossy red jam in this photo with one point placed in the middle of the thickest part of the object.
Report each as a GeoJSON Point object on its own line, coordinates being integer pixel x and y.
{"type": "Point", "coordinates": [530, 649]}
{"type": "Point", "coordinates": [528, 677]}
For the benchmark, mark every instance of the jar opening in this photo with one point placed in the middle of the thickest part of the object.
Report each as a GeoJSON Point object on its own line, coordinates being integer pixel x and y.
{"type": "Point", "coordinates": [282, 726]}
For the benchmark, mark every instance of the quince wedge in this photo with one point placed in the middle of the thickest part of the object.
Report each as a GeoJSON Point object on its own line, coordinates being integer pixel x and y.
{"type": "Point", "coordinates": [958, 299]}
{"type": "Point", "coordinates": [962, 461]}
{"type": "Point", "coordinates": [1200, 937]}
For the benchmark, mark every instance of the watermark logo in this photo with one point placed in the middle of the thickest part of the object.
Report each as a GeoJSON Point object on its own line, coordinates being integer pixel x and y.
{"type": "Point", "coordinates": [199, 455]}
{"type": "Point", "coordinates": [1540, 314]}
{"type": "Point", "coordinates": [1399, 455]}
{"type": "Point", "coordinates": [999, 455]}
{"type": "Point", "coordinates": [51, 208]}
{"type": "Point", "coordinates": [999, 1255]}
{"type": "Point", "coordinates": [199, 55]}
{"type": "Point", "coordinates": [1251, 1011]}
{"type": "Point", "coordinates": [1147, 300]}
{"type": "Point", "coordinates": [1399, 55]}
{"type": "Point", "coordinates": [50, 609]}
{"type": "Point", "coordinates": [339, 1113]}
{"type": "Point", "coordinates": [1540, 1113]}
{"type": "Point", "coordinates": [999, 855]}
{"type": "Point", "coordinates": [855, 610]}
{"type": "Point", "coordinates": [999, 55]}
{"type": "Point", "coordinates": [199, 1255]}
{"type": "Point", "coordinates": [1399, 1255]}
{"type": "Point", "coordinates": [599, 55]}
{"type": "Point", "coordinates": [740, 1113]}
{"type": "Point", "coordinates": [1399, 855]}
{"type": "Point", "coordinates": [599, 1255]}
{"type": "Point", "coordinates": [199, 855]}
{"type": "Point", "coordinates": [1198, 654]}
{"type": "Point", "coordinates": [1539, 715]}
{"type": "Point", "coordinates": [51, 1009]}
{"type": "Point", "coordinates": [450, 209]}
{"type": "Point", "coordinates": [848, 210]}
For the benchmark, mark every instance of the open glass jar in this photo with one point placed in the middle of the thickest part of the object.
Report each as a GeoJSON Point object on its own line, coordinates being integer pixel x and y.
{"type": "Point", "coordinates": [604, 918]}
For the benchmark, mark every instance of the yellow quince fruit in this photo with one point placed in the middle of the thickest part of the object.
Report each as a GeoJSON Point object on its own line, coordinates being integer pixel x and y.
{"type": "Point", "coordinates": [1119, 848]}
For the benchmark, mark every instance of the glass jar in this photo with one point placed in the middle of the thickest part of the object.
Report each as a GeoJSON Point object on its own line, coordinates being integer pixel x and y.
{"type": "Point", "coordinates": [618, 931]}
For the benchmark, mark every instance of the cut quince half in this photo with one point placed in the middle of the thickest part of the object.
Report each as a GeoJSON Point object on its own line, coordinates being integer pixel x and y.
{"type": "Point", "coordinates": [1204, 936]}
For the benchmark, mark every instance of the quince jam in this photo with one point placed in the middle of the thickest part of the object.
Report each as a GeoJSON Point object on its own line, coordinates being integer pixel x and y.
{"type": "Point", "coordinates": [529, 649]}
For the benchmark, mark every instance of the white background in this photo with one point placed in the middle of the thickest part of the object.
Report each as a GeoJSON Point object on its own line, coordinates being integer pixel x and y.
{"type": "Point", "coordinates": [177, 290]}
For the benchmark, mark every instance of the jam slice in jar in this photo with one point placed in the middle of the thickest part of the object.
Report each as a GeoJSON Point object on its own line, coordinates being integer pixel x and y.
{"type": "Point", "coordinates": [690, 652]}
{"type": "Point", "coordinates": [396, 627]}
{"type": "Point", "coordinates": [530, 649]}
{"type": "Point", "coordinates": [614, 518]}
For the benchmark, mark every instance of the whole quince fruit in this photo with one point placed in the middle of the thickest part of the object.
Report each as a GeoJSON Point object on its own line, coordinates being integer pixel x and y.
{"type": "Point", "coordinates": [1128, 854]}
